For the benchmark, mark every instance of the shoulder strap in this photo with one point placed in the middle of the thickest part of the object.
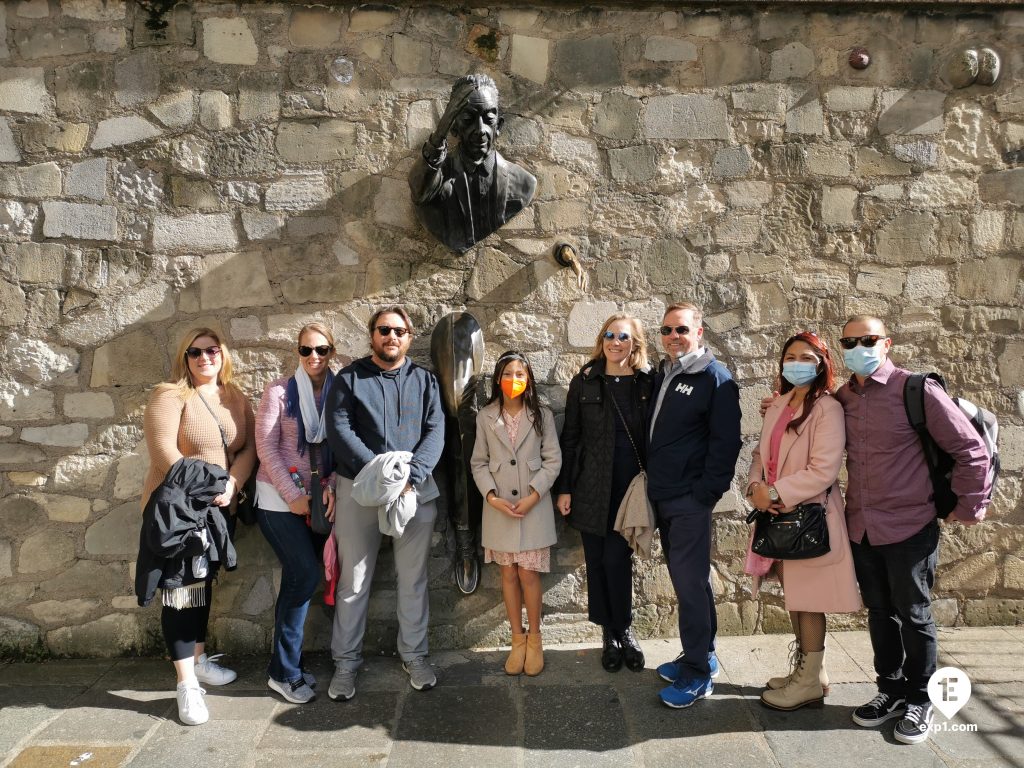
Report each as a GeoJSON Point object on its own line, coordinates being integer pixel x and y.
{"type": "Point", "coordinates": [220, 428]}
{"type": "Point", "coordinates": [611, 396]}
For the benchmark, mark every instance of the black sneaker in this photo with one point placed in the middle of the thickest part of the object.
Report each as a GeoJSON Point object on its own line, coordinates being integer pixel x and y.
{"type": "Point", "coordinates": [914, 727]}
{"type": "Point", "coordinates": [881, 708]}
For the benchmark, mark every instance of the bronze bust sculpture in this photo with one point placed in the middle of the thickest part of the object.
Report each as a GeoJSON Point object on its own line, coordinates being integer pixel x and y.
{"type": "Point", "coordinates": [464, 195]}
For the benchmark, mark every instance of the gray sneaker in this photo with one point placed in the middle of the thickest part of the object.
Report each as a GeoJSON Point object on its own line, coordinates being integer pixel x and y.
{"type": "Point", "coordinates": [296, 692]}
{"type": "Point", "coordinates": [343, 685]}
{"type": "Point", "coordinates": [421, 676]}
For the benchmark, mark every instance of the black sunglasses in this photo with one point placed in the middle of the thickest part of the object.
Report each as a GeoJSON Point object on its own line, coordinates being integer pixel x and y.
{"type": "Point", "coordinates": [386, 330]}
{"type": "Point", "coordinates": [323, 350]}
{"type": "Point", "coordinates": [621, 336]}
{"type": "Point", "coordinates": [195, 352]}
{"type": "Point", "coordinates": [849, 342]}
{"type": "Point", "coordinates": [682, 330]}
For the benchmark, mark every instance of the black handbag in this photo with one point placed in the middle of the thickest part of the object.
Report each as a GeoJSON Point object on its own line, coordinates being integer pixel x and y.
{"type": "Point", "coordinates": [799, 534]}
{"type": "Point", "coordinates": [318, 521]}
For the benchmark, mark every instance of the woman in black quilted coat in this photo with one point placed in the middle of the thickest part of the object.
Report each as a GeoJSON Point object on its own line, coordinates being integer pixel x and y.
{"type": "Point", "coordinates": [599, 461]}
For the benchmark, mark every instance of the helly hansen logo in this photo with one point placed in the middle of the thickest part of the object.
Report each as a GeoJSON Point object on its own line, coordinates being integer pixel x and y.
{"type": "Point", "coordinates": [684, 389]}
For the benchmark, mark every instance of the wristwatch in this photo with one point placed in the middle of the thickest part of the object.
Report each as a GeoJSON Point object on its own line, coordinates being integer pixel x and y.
{"type": "Point", "coordinates": [773, 494]}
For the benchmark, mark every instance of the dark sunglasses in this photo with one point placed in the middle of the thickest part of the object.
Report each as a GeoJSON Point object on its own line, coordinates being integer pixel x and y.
{"type": "Point", "coordinates": [386, 330]}
{"type": "Point", "coordinates": [849, 342]}
{"type": "Point", "coordinates": [195, 352]}
{"type": "Point", "coordinates": [621, 336]}
{"type": "Point", "coordinates": [323, 350]}
{"type": "Point", "coordinates": [682, 330]}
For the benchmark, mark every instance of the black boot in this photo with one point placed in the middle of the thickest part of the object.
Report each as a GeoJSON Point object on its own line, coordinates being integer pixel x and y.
{"type": "Point", "coordinates": [632, 653]}
{"type": "Point", "coordinates": [611, 656]}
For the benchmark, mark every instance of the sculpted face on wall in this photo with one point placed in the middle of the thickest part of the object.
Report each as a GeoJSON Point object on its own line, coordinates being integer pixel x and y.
{"type": "Point", "coordinates": [464, 195]}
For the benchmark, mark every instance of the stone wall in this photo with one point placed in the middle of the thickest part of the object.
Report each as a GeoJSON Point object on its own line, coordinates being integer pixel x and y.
{"type": "Point", "coordinates": [200, 165]}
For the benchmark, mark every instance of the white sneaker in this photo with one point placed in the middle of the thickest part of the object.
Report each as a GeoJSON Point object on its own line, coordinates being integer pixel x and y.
{"type": "Point", "coordinates": [210, 672]}
{"type": "Point", "coordinates": [191, 706]}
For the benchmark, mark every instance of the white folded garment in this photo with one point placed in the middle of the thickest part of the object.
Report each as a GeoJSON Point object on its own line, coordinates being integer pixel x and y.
{"type": "Point", "coordinates": [380, 484]}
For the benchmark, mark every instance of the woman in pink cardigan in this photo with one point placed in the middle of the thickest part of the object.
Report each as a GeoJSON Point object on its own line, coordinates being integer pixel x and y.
{"type": "Point", "coordinates": [797, 460]}
{"type": "Point", "coordinates": [290, 430]}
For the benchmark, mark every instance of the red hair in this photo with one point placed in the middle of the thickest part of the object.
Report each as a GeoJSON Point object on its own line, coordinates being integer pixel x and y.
{"type": "Point", "coordinates": [823, 384]}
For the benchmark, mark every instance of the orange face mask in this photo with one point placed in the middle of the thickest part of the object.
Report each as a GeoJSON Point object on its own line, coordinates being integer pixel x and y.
{"type": "Point", "coordinates": [513, 388]}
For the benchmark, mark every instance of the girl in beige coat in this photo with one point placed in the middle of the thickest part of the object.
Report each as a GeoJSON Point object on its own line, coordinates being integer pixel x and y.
{"type": "Point", "coordinates": [516, 460]}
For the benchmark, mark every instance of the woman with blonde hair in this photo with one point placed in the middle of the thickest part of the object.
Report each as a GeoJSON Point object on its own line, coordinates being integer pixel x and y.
{"type": "Point", "coordinates": [603, 449]}
{"type": "Point", "coordinates": [290, 432]}
{"type": "Point", "coordinates": [200, 414]}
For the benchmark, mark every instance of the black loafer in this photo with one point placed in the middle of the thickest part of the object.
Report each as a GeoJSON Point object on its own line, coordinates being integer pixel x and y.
{"type": "Point", "coordinates": [611, 656]}
{"type": "Point", "coordinates": [632, 653]}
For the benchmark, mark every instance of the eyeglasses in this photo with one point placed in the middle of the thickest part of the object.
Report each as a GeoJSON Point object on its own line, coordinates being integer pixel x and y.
{"type": "Point", "coordinates": [195, 352]}
{"type": "Point", "coordinates": [621, 336]}
{"type": "Point", "coordinates": [682, 330]}
{"type": "Point", "coordinates": [849, 342]}
{"type": "Point", "coordinates": [323, 350]}
{"type": "Point", "coordinates": [387, 330]}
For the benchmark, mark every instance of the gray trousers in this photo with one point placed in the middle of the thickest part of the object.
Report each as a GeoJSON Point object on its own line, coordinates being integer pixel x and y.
{"type": "Point", "coordinates": [358, 535]}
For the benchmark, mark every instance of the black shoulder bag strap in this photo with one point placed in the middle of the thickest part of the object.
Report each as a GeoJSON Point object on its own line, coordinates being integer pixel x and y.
{"type": "Point", "coordinates": [611, 396]}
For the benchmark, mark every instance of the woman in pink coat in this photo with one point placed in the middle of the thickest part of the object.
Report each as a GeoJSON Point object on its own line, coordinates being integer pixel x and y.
{"type": "Point", "coordinates": [797, 461]}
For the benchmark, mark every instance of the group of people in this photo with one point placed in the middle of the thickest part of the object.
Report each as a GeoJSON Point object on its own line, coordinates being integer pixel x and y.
{"type": "Point", "coordinates": [378, 424]}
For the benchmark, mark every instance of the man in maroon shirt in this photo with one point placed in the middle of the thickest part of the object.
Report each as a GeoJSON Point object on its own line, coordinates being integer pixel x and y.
{"type": "Point", "coordinates": [892, 522]}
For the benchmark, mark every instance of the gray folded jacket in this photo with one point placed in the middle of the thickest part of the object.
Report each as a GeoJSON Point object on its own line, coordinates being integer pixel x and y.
{"type": "Point", "coordinates": [380, 484]}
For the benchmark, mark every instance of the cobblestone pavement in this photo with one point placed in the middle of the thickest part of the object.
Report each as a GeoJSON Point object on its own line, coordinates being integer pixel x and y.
{"type": "Point", "coordinates": [121, 712]}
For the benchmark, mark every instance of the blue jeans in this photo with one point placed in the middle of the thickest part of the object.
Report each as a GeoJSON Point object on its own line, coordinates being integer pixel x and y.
{"type": "Point", "coordinates": [895, 583]}
{"type": "Point", "coordinates": [685, 526]}
{"type": "Point", "coordinates": [296, 547]}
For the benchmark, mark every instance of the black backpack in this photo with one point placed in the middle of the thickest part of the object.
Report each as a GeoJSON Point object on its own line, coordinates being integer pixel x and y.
{"type": "Point", "coordinates": [940, 463]}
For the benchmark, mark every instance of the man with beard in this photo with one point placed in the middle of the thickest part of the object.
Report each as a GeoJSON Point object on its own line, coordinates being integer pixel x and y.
{"type": "Point", "coordinates": [382, 403]}
{"type": "Point", "coordinates": [465, 195]}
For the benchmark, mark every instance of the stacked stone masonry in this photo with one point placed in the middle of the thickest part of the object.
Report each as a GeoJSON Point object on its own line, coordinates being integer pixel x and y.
{"type": "Point", "coordinates": [201, 166]}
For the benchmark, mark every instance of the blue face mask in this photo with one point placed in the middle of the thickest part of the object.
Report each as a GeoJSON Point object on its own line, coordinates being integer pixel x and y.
{"type": "Point", "coordinates": [798, 374]}
{"type": "Point", "coordinates": [862, 360]}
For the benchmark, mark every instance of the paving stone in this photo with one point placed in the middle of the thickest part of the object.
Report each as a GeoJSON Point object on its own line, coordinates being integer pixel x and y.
{"type": "Point", "coordinates": [37, 136]}
{"type": "Point", "coordinates": [215, 110]}
{"type": "Point", "coordinates": [228, 743]}
{"type": "Point", "coordinates": [561, 720]}
{"type": "Point", "coordinates": [260, 225]}
{"type": "Point", "coordinates": [850, 98]}
{"type": "Point", "coordinates": [410, 55]}
{"type": "Point", "coordinates": [23, 711]}
{"type": "Point", "coordinates": [1002, 186]}
{"type": "Point", "coordinates": [587, 61]}
{"type": "Point", "coordinates": [83, 90]}
{"type": "Point", "coordinates": [40, 180]}
{"type": "Point", "coordinates": [94, 10]}
{"type": "Point", "coordinates": [22, 89]}
{"type": "Point", "coordinates": [367, 725]}
{"type": "Point", "coordinates": [804, 114]}
{"type": "Point", "coordinates": [686, 116]}
{"type": "Point", "coordinates": [229, 41]}
{"type": "Point", "coordinates": [633, 164]}
{"type": "Point", "coordinates": [659, 48]}
{"type": "Point", "coordinates": [83, 221]}
{"type": "Point", "coordinates": [617, 115]}
{"type": "Point", "coordinates": [127, 360]}
{"type": "Point", "coordinates": [235, 280]}
{"type": "Point", "coordinates": [730, 162]}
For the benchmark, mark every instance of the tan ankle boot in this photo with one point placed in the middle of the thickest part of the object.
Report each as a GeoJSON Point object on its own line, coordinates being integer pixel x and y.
{"type": "Point", "coordinates": [534, 654]}
{"type": "Point", "coordinates": [804, 689]}
{"type": "Point", "coordinates": [517, 656]}
{"type": "Point", "coordinates": [795, 655]}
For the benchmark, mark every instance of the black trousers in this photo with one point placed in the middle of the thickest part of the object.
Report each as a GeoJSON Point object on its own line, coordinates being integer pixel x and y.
{"type": "Point", "coordinates": [609, 559]}
{"type": "Point", "coordinates": [184, 628]}
{"type": "Point", "coordinates": [895, 583]}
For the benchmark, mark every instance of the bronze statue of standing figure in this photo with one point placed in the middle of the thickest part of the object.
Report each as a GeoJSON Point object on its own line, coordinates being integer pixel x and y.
{"type": "Point", "coordinates": [464, 195]}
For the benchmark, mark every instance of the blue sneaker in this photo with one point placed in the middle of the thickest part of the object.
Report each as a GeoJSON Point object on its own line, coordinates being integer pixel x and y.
{"type": "Point", "coordinates": [670, 671]}
{"type": "Point", "coordinates": [683, 693]}
{"type": "Point", "coordinates": [713, 665]}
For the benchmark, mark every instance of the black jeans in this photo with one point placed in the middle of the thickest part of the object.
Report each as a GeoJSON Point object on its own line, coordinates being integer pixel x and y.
{"type": "Point", "coordinates": [895, 584]}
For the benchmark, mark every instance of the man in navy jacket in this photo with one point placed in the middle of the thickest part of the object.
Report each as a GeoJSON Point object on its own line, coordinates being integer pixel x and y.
{"type": "Point", "coordinates": [694, 441]}
{"type": "Point", "coordinates": [383, 403]}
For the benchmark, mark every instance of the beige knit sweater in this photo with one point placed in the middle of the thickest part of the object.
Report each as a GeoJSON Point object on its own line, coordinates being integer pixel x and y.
{"type": "Point", "coordinates": [177, 427]}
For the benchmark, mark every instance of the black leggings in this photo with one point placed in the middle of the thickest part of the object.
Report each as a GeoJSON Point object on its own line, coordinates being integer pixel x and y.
{"type": "Point", "coordinates": [184, 628]}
